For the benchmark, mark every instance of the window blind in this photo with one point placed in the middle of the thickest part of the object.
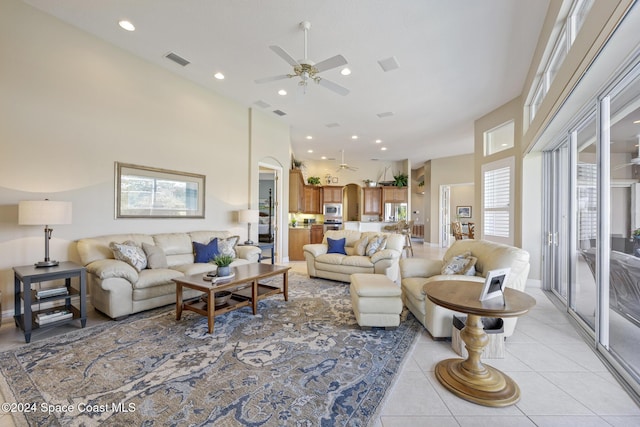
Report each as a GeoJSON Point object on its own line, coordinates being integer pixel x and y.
{"type": "Point", "coordinates": [497, 201]}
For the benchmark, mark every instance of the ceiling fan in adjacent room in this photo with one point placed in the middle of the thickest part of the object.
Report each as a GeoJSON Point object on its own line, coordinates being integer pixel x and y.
{"type": "Point", "coordinates": [343, 166]}
{"type": "Point", "coordinates": [634, 161]}
{"type": "Point", "coordinates": [306, 69]}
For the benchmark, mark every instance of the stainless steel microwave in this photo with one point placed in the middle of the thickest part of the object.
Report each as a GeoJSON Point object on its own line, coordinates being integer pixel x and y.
{"type": "Point", "coordinates": [332, 209]}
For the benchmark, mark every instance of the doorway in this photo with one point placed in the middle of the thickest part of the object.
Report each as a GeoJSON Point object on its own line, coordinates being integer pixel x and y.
{"type": "Point", "coordinates": [269, 207]}
{"type": "Point", "coordinates": [456, 204]}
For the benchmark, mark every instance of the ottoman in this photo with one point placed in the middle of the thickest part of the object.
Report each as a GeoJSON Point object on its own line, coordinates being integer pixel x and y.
{"type": "Point", "coordinates": [376, 300]}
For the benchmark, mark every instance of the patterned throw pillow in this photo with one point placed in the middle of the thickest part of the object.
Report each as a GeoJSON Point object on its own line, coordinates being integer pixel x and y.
{"type": "Point", "coordinates": [129, 253]}
{"type": "Point", "coordinates": [361, 246]}
{"type": "Point", "coordinates": [376, 244]}
{"type": "Point", "coordinates": [204, 253]}
{"type": "Point", "coordinates": [461, 264]}
{"type": "Point", "coordinates": [156, 258]}
{"type": "Point", "coordinates": [228, 246]}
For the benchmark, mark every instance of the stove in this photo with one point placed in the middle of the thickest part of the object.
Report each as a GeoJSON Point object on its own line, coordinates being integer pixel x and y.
{"type": "Point", "coordinates": [332, 224]}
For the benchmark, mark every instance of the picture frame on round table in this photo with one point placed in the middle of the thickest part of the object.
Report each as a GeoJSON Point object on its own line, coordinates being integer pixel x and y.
{"type": "Point", "coordinates": [494, 284]}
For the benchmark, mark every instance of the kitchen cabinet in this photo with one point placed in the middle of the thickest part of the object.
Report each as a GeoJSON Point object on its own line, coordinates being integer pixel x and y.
{"type": "Point", "coordinates": [312, 200]}
{"type": "Point", "coordinates": [298, 237]}
{"type": "Point", "coordinates": [392, 194]}
{"type": "Point", "coordinates": [296, 191]}
{"type": "Point", "coordinates": [372, 201]}
{"type": "Point", "coordinates": [331, 194]}
{"type": "Point", "coordinates": [317, 233]}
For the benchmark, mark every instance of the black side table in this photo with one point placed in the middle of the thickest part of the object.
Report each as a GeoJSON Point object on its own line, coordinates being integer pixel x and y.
{"type": "Point", "coordinates": [28, 274]}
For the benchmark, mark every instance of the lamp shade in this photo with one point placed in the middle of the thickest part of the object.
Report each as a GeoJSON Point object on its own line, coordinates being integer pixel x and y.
{"type": "Point", "coordinates": [248, 216]}
{"type": "Point", "coordinates": [44, 212]}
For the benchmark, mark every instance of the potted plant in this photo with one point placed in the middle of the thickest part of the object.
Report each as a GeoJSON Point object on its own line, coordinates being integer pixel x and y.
{"type": "Point", "coordinates": [296, 164]}
{"type": "Point", "coordinates": [401, 180]}
{"type": "Point", "coordinates": [223, 262]}
{"type": "Point", "coordinates": [313, 180]}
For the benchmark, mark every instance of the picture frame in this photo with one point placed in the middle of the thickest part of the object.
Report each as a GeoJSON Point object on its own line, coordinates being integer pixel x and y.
{"type": "Point", "coordinates": [463, 211]}
{"type": "Point", "coordinates": [494, 284]}
{"type": "Point", "coordinates": [148, 192]}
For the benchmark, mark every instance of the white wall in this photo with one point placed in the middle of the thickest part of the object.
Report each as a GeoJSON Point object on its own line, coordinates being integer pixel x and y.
{"type": "Point", "coordinates": [73, 105]}
{"type": "Point", "coordinates": [446, 171]}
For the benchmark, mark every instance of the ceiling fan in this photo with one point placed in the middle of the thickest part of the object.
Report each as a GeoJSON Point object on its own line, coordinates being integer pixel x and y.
{"type": "Point", "coordinates": [634, 161]}
{"type": "Point", "coordinates": [306, 69]}
{"type": "Point", "coordinates": [343, 166]}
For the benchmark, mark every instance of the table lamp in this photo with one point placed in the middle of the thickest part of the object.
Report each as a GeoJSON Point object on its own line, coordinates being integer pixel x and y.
{"type": "Point", "coordinates": [44, 212]}
{"type": "Point", "coordinates": [250, 216]}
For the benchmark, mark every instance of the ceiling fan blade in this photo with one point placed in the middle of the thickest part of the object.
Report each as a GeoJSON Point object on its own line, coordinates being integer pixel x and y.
{"type": "Point", "coordinates": [284, 55]}
{"type": "Point", "coordinates": [615, 168]}
{"type": "Point", "coordinates": [333, 87]}
{"type": "Point", "coordinates": [333, 62]}
{"type": "Point", "coordinates": [272, 79]}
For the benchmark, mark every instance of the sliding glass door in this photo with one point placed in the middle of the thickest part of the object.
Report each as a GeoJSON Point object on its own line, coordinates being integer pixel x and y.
{"type": "Point", "coordinates": [592, 213]}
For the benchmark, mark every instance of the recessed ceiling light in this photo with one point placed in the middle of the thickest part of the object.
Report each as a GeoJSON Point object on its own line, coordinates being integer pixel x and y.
{"type": "Point", "coordinates": [378, 141]}
{"type": "Point", "coordinates": [383, 149]}
{"type": "Point", "coordinates": [324, 157]}
{"type": "Point", "coordinates": [637, 122]}
{"type": "Point", "coordinates": [126, 25]}
{"type": "Point", "coordinates": [504, 145]}
{"type": "Point", "coordinates": [354, 136]}
{"type": "Point", "coordinates": [309, 151]}
{"type": "Point", "coordinates": [282, 92]}
{"type": "Point", "coordinates": [219, 76]}
{"type": "Point", "coordinates": [345, 71]}
{"type": "Point", "coordinates": [309, 137]}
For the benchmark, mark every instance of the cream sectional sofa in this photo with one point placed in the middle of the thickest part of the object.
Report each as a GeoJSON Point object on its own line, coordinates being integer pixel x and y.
{"type": "Point", "coordinates": [340, 267]}
{"type": "Point", "coordinates": [416, 273]}
{"type": "Point", "coordinates": [117, 289]}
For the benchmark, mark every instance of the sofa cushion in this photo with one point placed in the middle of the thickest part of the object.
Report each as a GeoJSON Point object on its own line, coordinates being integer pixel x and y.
{"type": "Point", "coordinates": [154, 277]}
{"type": "Point", "coordinates": [460, 264]}
{"type": "Point", "coordinates": [228, 246]}
{"type": "Point", "coordinates": [360, 248]}
{"type": "Point", "coordinates": [376, 243]}
{"type": "Point", "coordinates": [336, 246]}
{"type": "Point", "coordinates": [155, 256]}
{"type": "Point", "coordinates": [129, 253]}
{"type": "Point", "coordinates": [205, 253]}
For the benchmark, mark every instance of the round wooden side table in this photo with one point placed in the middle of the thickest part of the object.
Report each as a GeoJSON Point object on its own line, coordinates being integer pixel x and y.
{"type": "Point", "coordinates": [469, 378]}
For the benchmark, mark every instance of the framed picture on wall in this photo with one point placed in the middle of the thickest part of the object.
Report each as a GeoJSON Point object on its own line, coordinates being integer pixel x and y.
{"type": "Point", "coordinates": [463, 211]}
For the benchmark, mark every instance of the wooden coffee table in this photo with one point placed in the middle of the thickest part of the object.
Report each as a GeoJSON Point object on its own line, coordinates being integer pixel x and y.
{"type": "Point", "coordinates": [470, 379]}
{"type": "Point", "coordinates": [244, 287]}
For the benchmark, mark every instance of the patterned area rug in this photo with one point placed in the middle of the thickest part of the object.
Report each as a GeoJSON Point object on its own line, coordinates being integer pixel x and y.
{"type": "Point", "coordinates": [304, 362]}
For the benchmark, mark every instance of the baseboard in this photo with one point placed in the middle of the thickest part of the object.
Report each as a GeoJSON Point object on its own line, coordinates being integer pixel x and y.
{"type": "Point", "coordinates": [534, 283]}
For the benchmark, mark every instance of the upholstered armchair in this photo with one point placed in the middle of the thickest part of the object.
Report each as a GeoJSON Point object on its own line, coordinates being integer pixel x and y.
{"type": "Point", "coordinates": [482, 256]}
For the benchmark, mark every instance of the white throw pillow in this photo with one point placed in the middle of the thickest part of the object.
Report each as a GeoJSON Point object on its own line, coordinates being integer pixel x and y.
{"type": "Point", "coordinates": [129, 253]}
{"type": "Point", "coordinates": [461, 264]}
{"type": "Point", "coordinates": [228, 246]}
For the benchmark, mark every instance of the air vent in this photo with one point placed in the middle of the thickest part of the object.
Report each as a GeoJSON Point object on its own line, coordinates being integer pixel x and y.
{"type": "Point", "coordinates": [389, 64]}
{"type": "Point", "coordinates": [262, 104]}
{"type": "Point", "coordinates": [385, 114]}
{"type": "Point", "coordinates": [177, 59]}
{"type": "Point", "coordinates": [333, 125]}
{"type": "Point", "coordinates": [280, 112]}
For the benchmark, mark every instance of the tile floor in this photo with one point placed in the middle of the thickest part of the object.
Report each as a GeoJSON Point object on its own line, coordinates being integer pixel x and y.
{"type": "Point", "coordinates": [562, 381]}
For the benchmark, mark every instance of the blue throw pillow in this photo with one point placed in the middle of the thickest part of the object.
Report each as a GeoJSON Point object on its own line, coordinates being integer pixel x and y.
{"type": "Point", "coordinates": [205, 253]}
{"type": "Point", "coordinates": [336, 246]}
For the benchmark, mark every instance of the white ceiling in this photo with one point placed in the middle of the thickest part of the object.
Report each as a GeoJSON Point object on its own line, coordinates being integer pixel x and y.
{"type": "Point", "coordinates": [459, 59]}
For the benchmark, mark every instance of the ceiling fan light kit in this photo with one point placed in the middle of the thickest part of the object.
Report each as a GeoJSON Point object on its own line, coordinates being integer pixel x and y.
{"type": "Point", "coordinates": [307, 70]}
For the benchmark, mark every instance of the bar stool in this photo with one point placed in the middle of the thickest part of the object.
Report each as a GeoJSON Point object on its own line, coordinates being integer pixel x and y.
{"type": "Point", "coordinates": [406, 231]}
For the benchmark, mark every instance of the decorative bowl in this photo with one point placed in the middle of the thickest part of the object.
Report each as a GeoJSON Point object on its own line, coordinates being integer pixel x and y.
{"type": "Point", "coordinates": [221, 298]}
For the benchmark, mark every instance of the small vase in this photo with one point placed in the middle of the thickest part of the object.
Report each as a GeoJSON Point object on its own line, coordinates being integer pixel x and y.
{"type": "Point", "coordinates": [224, 271]}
